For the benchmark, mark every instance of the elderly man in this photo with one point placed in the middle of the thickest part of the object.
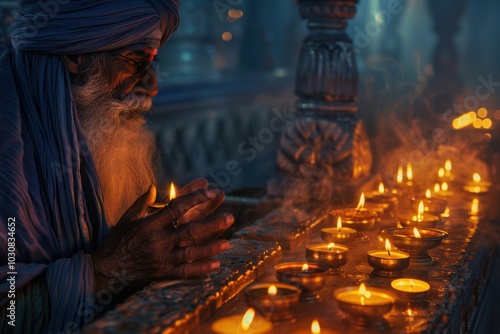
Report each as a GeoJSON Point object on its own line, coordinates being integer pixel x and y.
{"type": "Point", "coordinates": [77, 166]}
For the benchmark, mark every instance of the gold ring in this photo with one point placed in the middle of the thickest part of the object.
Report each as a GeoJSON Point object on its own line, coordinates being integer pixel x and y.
{"type": "Point", "coordinates": [175, 222]}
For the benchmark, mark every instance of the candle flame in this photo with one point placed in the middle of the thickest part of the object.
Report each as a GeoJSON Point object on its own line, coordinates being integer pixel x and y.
{"type": "Point", "coordinates": [388, 246]}
{"type": "Point", "coordinates": [474, 208]}
{"type": "Point", "coordinates": [437, 188]}
{"type": "Point", "coordinates": [399, 178]}
{"type": "Point", "coordinates": [409, 312]}
{"type": "Point", "coordinates": [362, 289]}
{"type": "Point", "coordinates": [305, 267]}
{"type": "Point", "coordinates": [315, 329]}
{"type": "Point", "coordinates": [272, 291]}
{"type": "Point", "coordinates": [428, 194]}
{"type": "Point", "coordinates": [409, 172]}
{"type": "Point", "coordinates": [411, 283]}
{"type": "Point", "coordinates": [339, 224]}
{"type": "Point", "coordinates": [381, 188]}
{"type": "Point", "coordinates": [247, 319]}
{"type": "Point", "coordinates": [172, 191]}
{"type": "Point", "coordinates": [447, 165]}
{"type": "Point", "coordinates": [361, 203]}
{"type": "Point", "coordinates": [368, 294]}
{"type": "Point", "coordinates": [444, 186]}
{"type": "Point", "coordinates": [420, 213]}
{"type": "Point", "coordinates": [441, 173]}
{"type": "Point", "coordinates": [331, 245]}
{"type": "Point", "coordinates": [416, 233]}
{"type": "Point", "coordinates": [476, 177]}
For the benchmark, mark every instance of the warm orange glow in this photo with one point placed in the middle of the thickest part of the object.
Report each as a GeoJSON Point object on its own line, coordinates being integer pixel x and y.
{"type": "Point", "coordinates": [409, 172]}
{"type": "Point", "coordinates": [172, 191]}
{"type": "Point", "coordinates": [409, 312]}
{"type": "Point", "coordinates": [476, 177]}
{"type": "Point", "coordinates": [474, 208]}
{"type": "Point", "coordinates": [482, 112]}
{"type": "Point", "coordinates": [477, 123]}
{"type": "Point", "coordinates": [235, 13]}
{"type": "Point", "coordinates": [305, 267]}
{"type": "Point", "coordinates": [339, 224]}
{"type": "Point", "coordinates": [444, 186]}
{"type": "Point", "coordinates": [441, 172]}
{"type": "Point", "coordinates": [447, 165]}
{"type": "Point", "coordinates": [315, 329]}
{"type": "Point", "coordinates": [428, 194]}
{"type": "Point", "coordinates": [361, 202]}
{"type": "Point", "coordinates": [399, 178]}
{"type": "Point", "coordinates": [437, 188]}
{"type": "Point", "coordinates": [331, 245]}
{"type": "Point", "coordinates": [420, 212]}
{"type": "Point", "coordinates": [388, 246]}
{"type": "Point", "coordinates": [247, 319]}
{"type": "Point", "coordinates": [272, 291]}
{"type": "Point", "coordinates": [464, 120]}
{"type": "Point", "coordinates": [227, 36]}
{"type": "Point", "coordinates": [381, 188]}
{"type": "Point", "coordinates": [416, 233]}
{"type": "Point", "coordinates": [486, 123]}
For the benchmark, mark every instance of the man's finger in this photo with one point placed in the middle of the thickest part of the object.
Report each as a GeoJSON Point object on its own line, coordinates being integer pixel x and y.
{"type": "Point", "coordinates": [197, 269]}
{"type": "Point", "coordinates": [193, 186]}
{"type": "Point", "coordinates": [184, 255]}
{"type": "Point", "coordinates": [200, 232]}
{"type": "Point", "coordinates": [199, 212]}
{"type": "Point", "coordinates": [173, 212]}
{"type": "Point", "coordinates": [138, 209]}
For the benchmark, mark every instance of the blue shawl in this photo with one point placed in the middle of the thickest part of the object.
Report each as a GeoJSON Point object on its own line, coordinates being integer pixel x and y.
{"type": "Point", "coordinates": [48, 183]}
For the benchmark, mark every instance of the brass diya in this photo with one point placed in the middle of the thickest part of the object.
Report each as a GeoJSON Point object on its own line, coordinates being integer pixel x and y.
{"type": "Point", "coordinates": [331, 255]}
{"type": "Point", "coordinates": [432, 204]}
{"type": "Point", "coordinates": [338, 234]}
{"type": "Point", "coordinates": [418, 219]}
{"type": "Point", "coordinates": [310, 277]}
{"type": "Point", "coordinates": [359, 218]}
{"type": "Point", "coordinates": [406, 240]}
{"type": "Point", "coordinates": [365, 306]}
{"type": "Point", "coordinates": [273, 300]}
{"type": "Point", "coordinates": [388, 200]}
{"type": "Point", "coordinates": [388, 263]}
{"type": "Point", "coordinates": [411, 289]}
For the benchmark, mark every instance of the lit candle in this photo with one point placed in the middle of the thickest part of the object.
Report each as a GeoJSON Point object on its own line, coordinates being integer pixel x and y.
{"type": "Point", "coordinates": [273, 300]}
{"type": "Point", "coordinates": [172, 191]}
{"type": "Point", "coordinates": [474, 207]}
{"type": "Point", "coordinates": [388, 263]}
{"type": "Point", "coordinates": [331, 255]}
{"type": "Point", "coordinates": [477, 186]}
{"type": "Point", "coordinates": [388, 200]}
{"type": "Point", "coordinates": [310, 277]}
{"type": "Point", "coordinates": [363, 305]}
{"type": "Point", "coordinates": [249, 323]}
{"type": "Point", "coordinates": [339, 233]}
{"type": "Point", "coordinates": [160, 205]}
{"type": "Point", "coordinates": [421, 219]}
{"type": "Point", "coordinates": [359, 218]}
{"type": "Point", "coordinates": [410, 288]}
{"type": "Point", "coordinates": [315, 329]}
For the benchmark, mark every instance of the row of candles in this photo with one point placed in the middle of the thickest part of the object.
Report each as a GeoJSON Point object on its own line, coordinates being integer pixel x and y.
{"type": "Point", "coordinates": [413, 237]}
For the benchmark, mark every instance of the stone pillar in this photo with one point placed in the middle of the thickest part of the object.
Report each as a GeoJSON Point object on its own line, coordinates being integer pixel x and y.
{"type": "Point", "coordinates": [326, 141]}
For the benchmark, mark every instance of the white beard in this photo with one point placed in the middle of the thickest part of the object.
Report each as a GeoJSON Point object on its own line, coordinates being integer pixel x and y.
{"type": "Point", "coordinates": [122, 148]}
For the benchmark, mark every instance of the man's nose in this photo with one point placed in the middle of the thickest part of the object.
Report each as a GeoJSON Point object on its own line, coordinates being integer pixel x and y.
{"type": "Point", "coordinates": [148, 84]}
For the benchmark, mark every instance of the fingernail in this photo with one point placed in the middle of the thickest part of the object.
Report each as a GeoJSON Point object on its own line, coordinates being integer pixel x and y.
{"type": "Point", "coordinates": [211, 193]}
{"type": "Point", "coordinates": [224, 246]}
{"type": "Point", "coordinates": [215, 265]}
{"type": "Point", "coordinates": [229, 219]}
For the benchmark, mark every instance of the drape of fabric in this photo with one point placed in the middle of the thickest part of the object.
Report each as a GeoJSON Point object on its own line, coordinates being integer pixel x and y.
{"type": "Point", "coordinates": [48, 181]}
{"type": "Point", "coordinates": [48, 184]}
{"type": "Point", "coordinates": [81, 26]}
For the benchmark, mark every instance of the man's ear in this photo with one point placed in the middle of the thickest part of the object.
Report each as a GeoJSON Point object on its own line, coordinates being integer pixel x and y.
{"type": "Point", "coordinates": [72, 63]}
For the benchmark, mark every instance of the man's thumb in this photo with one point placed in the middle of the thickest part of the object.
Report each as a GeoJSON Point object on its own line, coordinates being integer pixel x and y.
{"type": "Point", "coordinates": [140, 206]}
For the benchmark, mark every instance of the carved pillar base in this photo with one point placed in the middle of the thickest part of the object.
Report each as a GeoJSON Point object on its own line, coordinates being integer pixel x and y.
{"type": "Point", "coordinates": [326, 142]}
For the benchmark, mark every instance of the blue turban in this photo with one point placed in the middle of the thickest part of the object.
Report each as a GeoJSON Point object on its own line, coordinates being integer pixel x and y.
{"type": "Point", "coordinates": [51, 203]}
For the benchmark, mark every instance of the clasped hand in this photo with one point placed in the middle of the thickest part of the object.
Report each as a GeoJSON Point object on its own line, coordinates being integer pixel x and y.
{"type": "Point", "coordinates": [142, 248]}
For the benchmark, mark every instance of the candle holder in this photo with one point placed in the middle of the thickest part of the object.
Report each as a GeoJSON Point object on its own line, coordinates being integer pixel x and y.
{"type": "Point", "coordinates": [405, 239]}
{"type": "Point", "coordinates": [237, 324]}
{"type": "Point", "coordinates": [410, 289]}
{"type": "Point", "coordinates": [410, 219]}
{"type": "Point", "coordinates": [274, 305]}
{"type": "Point", "coordinates": [385, 199]}
{"type": "Point", "coordinates": [359, 219]}
{"type": "Point", "coordinates": [310, 281]}
{"type": "Point", "coordinates": [329, 255]}
{"type": "Point", "coordinates": [434, 205]}
{"type": "Point", "coordinates": [365, 312]}
{"type": "Point", "coordinates": [336, 235]}
{"type": "Point", "coordinates": [385, 265]}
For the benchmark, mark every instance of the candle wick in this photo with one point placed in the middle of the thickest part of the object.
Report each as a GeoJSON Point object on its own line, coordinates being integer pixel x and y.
{"type": "Point", "coordinates": [389, 252]}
